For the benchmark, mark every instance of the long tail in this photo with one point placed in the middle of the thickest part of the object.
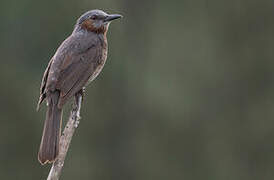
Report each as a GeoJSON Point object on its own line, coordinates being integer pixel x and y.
{"type": "Point", "coordinates": [49, 147]}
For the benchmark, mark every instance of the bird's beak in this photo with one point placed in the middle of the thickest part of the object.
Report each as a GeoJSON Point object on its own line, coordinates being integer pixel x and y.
{"type": "Point", "coordinates": [112, 17]}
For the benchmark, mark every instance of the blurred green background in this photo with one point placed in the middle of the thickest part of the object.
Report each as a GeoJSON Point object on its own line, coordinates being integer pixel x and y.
{"type": "Point", "coordinates": [187, 91]}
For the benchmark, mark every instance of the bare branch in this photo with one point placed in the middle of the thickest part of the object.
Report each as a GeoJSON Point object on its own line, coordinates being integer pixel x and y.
{"type": "Point", "coordinates": [65, 139]}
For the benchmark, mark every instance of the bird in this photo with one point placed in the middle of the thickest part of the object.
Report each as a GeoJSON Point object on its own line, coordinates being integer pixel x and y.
{"type": "Point", "coordinates": [77, 62]}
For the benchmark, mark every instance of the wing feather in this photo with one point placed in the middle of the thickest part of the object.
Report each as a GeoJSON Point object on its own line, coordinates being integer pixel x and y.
{"type": "Point", "coordinates": [70, 69]}
{"type": "Point", "coordinates": [43, 86]}
{"type": "Point", "coordinates": [75, 76]}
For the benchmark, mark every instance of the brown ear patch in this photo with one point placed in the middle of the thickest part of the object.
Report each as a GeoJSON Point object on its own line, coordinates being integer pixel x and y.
{"type": "Point", "coordinates": [88, 25]}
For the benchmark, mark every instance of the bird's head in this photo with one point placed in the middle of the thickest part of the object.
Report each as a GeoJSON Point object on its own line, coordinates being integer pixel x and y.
{"type": "Point", "coordinates": [96, 21]}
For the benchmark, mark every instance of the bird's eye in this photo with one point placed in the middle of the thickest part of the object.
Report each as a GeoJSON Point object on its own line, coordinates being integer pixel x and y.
{"type": "Point", "coordinates": [93, 17]}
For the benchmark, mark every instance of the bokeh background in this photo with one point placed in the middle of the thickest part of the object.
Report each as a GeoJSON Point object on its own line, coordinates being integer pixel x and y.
{"type": "Point", "coordinates": [187, 91]}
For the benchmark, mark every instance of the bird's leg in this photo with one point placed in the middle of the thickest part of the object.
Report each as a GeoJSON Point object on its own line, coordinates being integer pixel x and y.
{"type": "Point", "coordinates": [82, 92]}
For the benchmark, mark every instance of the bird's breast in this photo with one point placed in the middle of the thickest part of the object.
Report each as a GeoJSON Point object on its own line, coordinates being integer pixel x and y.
{"type": "Point", "coordinates": [100, 63]}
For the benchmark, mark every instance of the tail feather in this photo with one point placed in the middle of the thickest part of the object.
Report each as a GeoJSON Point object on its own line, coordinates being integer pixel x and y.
{"type": "Point", "coordinates": [49, 147]}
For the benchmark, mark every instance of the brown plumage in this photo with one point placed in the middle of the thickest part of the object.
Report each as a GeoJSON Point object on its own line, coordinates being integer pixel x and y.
{"type": "Point", "coordinates": [78, 60]}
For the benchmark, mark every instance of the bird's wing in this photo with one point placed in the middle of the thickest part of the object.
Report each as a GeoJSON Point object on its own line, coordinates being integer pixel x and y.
{"type": "Point", "coordinates": [75, 72]}
{"type": "Point", "coordinates": [43, 85]}
{"type": "Point", "coordinates": [69, 69]}
{"type": "Point", "coordinates": [52, 71]}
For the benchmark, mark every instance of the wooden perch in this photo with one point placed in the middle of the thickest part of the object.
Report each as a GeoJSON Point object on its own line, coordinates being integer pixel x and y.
{"type": "Point", "coordinates": [65, 139]}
